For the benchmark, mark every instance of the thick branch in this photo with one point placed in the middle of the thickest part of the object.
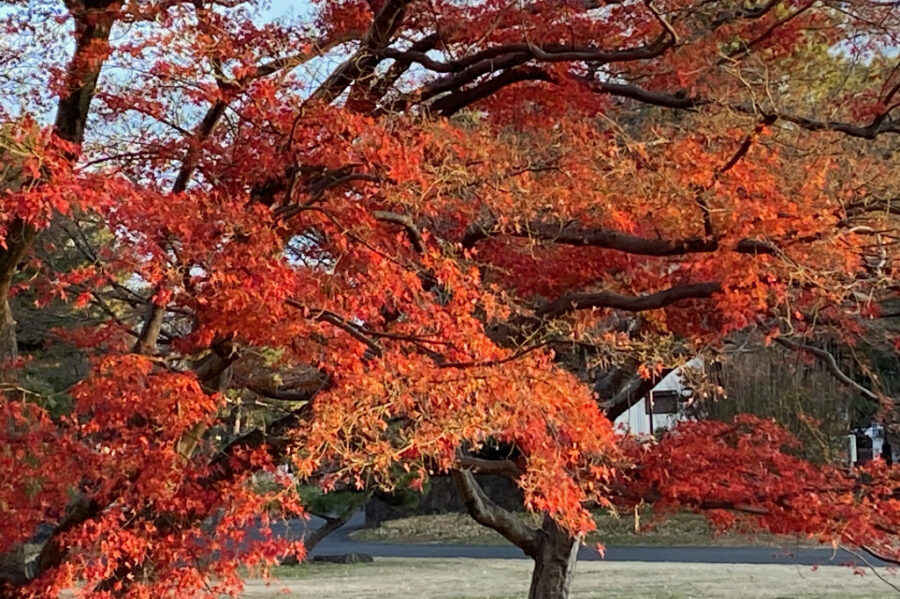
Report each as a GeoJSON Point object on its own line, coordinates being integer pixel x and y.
{"type": "Point", "coordinates": [595, 55]}
{"type": "Point", "coordinates": [364, 60]}
{"type": "Point", "coordinates": [511, 56]}
{"type": "Point", "coordinates": [362, 96]}
{"type": "Point", "coordinates": [299, 389]}
{"type": "Point", "coordinates": [453, 103]}
{"type": "Point", "coordinates": [489, 514]}
{"type": "Point", "coordinates": [150, 330]}
{"type": "Point", "coordinates": [629, 394]}
{"type": "Point", "coordinates": [224, 467]}
{"type": "Point", "coordinates": [93, 24]}
{"type": "Point", "coordinates": [192, 155]}
{"type": "Point", "coordinates": [681, 101]}
{"type": "Point", "coordinates": [282, 394]}
{"type": "Point", "coordinates": [622, 242]}
{"type": "Point", "coordinates": [405, 221]}
{"type": "Point", "coordinates": [647, 246]}
{"type": "Point", "coordinates": [54, 552]}
{"type": "Point", "coordinates": [507, 468]}
{"type": "Point", "coordinates": [887, 206]}
{"type": "Point", "coordinates": [505, 56]}
{"type": "Point", "coordinates": [331, 525]}
{"type": "Point", "coordinates": [629, 303]}
{"type": "Point", "coordinates": [469, 74]}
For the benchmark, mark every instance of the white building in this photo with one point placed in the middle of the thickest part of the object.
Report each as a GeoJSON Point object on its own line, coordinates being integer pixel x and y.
{"type": "Point", "coordinates": [637, 420]}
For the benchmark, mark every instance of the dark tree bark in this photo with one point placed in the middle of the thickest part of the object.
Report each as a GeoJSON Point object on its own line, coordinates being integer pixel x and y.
{"type": "Point", "coordinates": [629, 303]}
{"type": "Point", "coordinates": [553, 549]}
{"type": "Point", "coordinates": [93, 22]}
{"type": "Point", "coordinates": [554, 563]}
{"type": "Point", "coordinates": [333, 523]}
{"type": "Point", "coordinates": [487, 513]}
{"type": "Point", "coordinates": [18, 241]}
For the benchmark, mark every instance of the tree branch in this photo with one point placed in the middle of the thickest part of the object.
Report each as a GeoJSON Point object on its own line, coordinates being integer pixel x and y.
{"type": "Point", "coordinates": [456, 101]}
{"type": "Point", "coordinates": [412, 231]}
{"type": "Point", "coordinates": [567, 234]}
{"type": "Point", "coordinates": [878, 555]}
{"type": "Point", "coordinates": [295, 60]}
{"type": "Point", "coordinates": [371, 95]}
{"type": "Point", "coordinates": [489, 514]}
{"type": "Point", "coordinates": [630, 303]}
{"type": "Point", "coordinates": [506, 468]}
{"type": "Point", "coordinates": [330, 526]}
{"type": "Point", "coordinates": [222, 465]}
{"type": "Point", "coordinates": [335, 320]}
{"type": "Point", "coordinates": [681, 101]}
{"type": "Point", "coordinates": [92, 26]}
{"type": "Point", "coordinates": [282, 394]}
{"type": "Point", "coordinates": [635, 389]}
{"type": "Point", "coordinates": [831, 363]}
{"type": "Point", "coordinates": [364, 60]}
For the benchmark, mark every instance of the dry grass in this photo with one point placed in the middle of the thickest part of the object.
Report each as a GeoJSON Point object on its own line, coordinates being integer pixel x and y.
{"type": "Point", "coordinates": [508, 579]}
{"type": "Point", "coordinates": [459, 529]}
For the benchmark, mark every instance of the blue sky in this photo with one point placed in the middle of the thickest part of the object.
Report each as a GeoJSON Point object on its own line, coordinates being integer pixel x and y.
{"type": "Point", "coordinates": [283, 8]}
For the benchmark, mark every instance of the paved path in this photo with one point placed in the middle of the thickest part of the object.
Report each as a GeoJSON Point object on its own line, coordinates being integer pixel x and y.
{"type": "Point", "coordinates": [340, 542]}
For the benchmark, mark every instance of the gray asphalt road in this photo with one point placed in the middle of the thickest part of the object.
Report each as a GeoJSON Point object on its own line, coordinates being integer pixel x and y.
{"type": "Point", "coordinates": [340, 542]}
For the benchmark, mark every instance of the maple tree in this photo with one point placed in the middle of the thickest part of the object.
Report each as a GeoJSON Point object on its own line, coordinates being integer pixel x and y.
{"type": "Point", "coordinates": [419, 227]}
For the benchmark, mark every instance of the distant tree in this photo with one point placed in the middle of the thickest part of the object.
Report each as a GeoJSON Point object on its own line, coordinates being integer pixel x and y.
{"type": "Point", "coordinates": [412, 229]}
{"type": "Point", "coordinates": [795, 390]}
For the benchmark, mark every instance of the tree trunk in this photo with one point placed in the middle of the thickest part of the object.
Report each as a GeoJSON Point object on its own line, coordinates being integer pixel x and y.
{"type": "Point", "coordinates": [554, 562]}
{"type": "Point", "coordinates": [552, 548]}
{"type": "Point", "coordinates": [9, 349]}
{"type": "Point", "coordinates": [19, 237]}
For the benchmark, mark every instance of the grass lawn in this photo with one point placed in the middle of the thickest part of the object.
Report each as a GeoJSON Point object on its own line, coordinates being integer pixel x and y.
{"type": "Point", "coordinates": [508, 579]}
{"type": "Point", "coordinates": [460, 529]}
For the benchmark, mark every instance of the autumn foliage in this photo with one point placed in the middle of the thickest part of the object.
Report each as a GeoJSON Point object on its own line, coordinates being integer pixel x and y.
{"type": "Point", "coordinates": [405, 231]}
{"type": "Point", "coordinates": [744, 472]}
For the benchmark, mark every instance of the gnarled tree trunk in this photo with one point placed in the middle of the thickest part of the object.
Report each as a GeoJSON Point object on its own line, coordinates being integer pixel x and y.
{"type": "Point", "coordinates": [554, 562]}
{"type": "Point", "coordinates": [553, 549]}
